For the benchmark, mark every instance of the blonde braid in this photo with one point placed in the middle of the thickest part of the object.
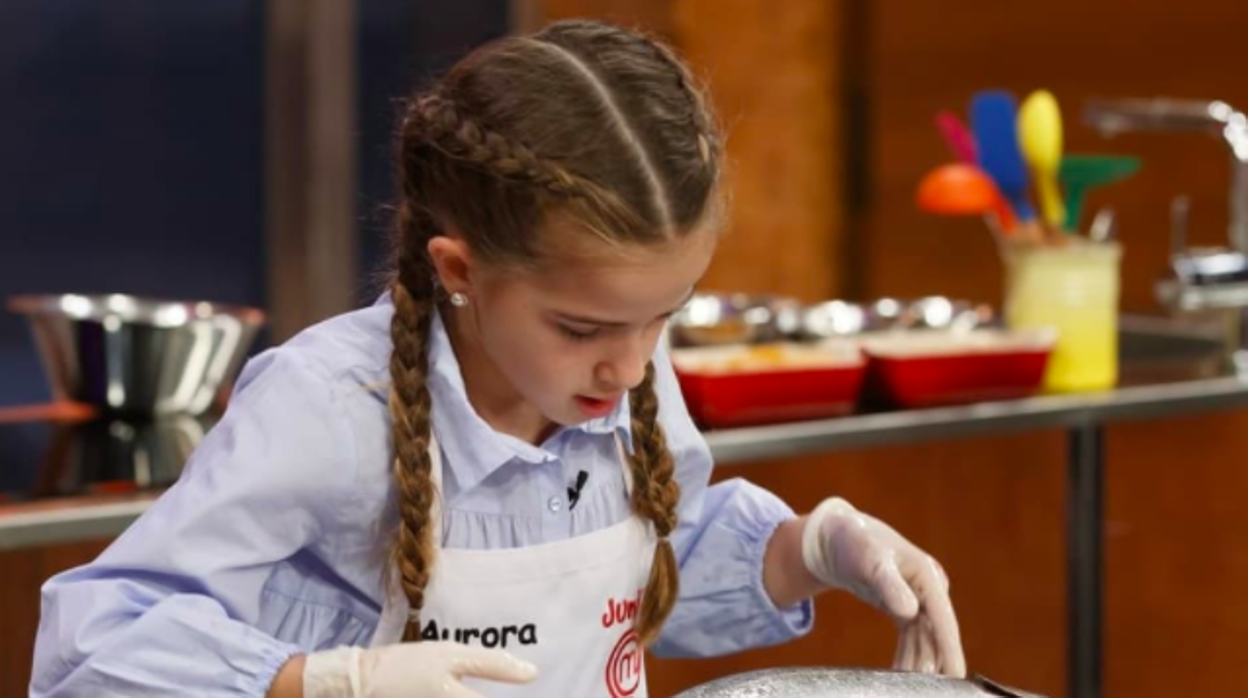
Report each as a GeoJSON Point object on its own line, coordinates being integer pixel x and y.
{"type": "Point", "coordinates": [410, 404]}
{"type": "Point", "coordinates": [656, 494]}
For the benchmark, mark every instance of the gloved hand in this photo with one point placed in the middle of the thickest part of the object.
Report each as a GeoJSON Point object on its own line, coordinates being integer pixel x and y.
{"type": "Point", "coordinates": [424, 669]}
{"type": "Point", "coordinates": [847, 549]}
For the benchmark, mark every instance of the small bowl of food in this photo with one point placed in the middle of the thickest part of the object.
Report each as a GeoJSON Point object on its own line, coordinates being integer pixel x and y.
{"type": "Point", "coordinates": [735, 386]}
{"type": "Point", "coordinates": [923, 369]}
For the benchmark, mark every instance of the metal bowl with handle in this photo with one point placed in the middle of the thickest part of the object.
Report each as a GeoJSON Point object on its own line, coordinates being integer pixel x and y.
{"type": "Point", "coordinates": [841, 319]}
{"type": "Point", "coordinates": [717, 319]}
{"type": "Point", "coordinates": [138, 356]}
{"type": "Point", "coordinates": [801, 682]}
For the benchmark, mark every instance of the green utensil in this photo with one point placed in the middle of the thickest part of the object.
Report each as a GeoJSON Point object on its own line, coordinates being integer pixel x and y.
{"type": "Point", "coordinates": [1079, 173]}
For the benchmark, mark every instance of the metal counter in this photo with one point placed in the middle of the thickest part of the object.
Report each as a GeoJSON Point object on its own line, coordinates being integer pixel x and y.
{"type": "Point", "coordinates": [68, 520]}
{"type": "Point", "coordinates": [1033, 414]}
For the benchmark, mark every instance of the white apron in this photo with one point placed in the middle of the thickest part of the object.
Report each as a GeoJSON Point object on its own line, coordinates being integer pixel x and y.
{"type": "Point", "coordinates": [568, 607]}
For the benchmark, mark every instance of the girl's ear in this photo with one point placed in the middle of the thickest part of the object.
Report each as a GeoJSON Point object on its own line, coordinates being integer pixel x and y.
{"type": "Point", "coordinates": [452, 263]}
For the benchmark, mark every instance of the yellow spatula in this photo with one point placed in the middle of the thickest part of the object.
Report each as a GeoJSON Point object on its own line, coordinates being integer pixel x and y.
{"type": "Point", "coordinates": [1040, 138]}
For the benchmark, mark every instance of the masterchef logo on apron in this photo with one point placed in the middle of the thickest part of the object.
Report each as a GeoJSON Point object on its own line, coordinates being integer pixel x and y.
{"type": "Point", "coordinates": [625, 664]}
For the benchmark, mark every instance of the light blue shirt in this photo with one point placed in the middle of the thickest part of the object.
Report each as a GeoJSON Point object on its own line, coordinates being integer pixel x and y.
{"type": "Point", "coordinates": [273, 541]}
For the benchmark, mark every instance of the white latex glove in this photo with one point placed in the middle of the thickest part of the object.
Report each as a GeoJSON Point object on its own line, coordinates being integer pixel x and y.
{"type": "Point", "coordinates": [847, 549]}
{"type": "Point", "coordinates": [408, 670]}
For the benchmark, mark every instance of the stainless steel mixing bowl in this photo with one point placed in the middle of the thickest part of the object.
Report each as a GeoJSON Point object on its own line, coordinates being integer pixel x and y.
{"type": "Point", "coordinates": [713, 319]}
{"type": "Point", "coordinates": [139, 356]}
{"type": "Point", "coordinates": [840, 319]}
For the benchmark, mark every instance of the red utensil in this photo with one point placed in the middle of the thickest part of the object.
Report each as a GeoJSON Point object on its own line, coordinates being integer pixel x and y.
{"type": "Point", "coordinates": [960, 189]}
{"type": "Point", "coordinates": [55, 412]}
{"type": "Point", "coordinates": [958, 137]}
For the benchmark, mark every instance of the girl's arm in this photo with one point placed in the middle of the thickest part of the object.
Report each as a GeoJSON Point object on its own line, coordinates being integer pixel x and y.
{"type": "Point", "coordinates": [784, 574]}
{"type": "Point", "coordinates": [173, 606]}
{"type": "Point", "coordinates": [289, 680]}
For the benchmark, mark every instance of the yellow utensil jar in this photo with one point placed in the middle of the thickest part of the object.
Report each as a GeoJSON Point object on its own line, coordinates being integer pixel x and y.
{"type": "Point", "coordinates": [1074, 289]}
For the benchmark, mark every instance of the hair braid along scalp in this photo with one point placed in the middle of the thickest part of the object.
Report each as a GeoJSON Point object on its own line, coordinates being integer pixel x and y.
{"type": "Point", "coordinates": [584, 120]}
{"type": "Point", "coordinates": [684, 154]}
{"type": "Point", "coordinates": [708, 143]}
{"type": "Point", "coordinates": [624, 130]}
{"type": "Point", "coordinates": [437, 120]}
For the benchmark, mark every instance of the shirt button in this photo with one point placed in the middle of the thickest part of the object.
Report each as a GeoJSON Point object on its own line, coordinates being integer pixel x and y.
{"type": "Point", "coordinates": [555, 505]}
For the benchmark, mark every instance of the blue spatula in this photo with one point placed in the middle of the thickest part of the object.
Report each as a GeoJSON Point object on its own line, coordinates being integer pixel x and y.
{"type": "Point", "coordinates": [994, 120]}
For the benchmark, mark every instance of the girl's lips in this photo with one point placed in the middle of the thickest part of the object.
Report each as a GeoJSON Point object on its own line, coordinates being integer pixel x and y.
{"type": "Point", "coordinates": [596, 407]}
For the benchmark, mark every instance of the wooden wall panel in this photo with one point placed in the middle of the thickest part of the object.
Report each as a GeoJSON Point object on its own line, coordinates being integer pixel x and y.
{"type": "Point", "coordinates": [774, 75]}
{"type": "Point", "coordinates": [310, 161]}
{"type": "Point", "coordinates": [654, 16]}
{"type": "Point", "coordinates": [774, 78]}
{"type": "Point", "coordinates": [1177, 529]}
{"type": "Point", "coordinates": [24, 573]}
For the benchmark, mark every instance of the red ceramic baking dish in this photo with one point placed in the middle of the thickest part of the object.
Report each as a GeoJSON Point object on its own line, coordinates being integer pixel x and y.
{"type": "Point", "coordinates": [751, 385]}
{"type": "Point", "coordinates": [928, 368]}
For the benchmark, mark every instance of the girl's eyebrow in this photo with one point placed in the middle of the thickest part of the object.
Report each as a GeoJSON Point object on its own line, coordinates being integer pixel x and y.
{"type": "Point", "coordinates": [583, 320]}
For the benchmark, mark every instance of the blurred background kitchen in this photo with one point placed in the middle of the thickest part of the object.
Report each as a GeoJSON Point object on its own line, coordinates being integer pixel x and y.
{"type": "Point", "coordinates": [236, 151]}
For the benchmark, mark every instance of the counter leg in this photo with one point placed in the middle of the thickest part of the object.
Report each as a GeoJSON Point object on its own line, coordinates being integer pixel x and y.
{"type": "Point", "coordinates": [1085, 560]}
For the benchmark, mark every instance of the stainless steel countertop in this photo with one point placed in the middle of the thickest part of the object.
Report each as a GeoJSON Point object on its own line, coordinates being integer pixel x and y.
{"type": "Point", "coordinates": [69, 520]}
{"type": "Point", "coordinates": [1031, 414]}
{"type": "Point", "coordinates": [1147, 394]}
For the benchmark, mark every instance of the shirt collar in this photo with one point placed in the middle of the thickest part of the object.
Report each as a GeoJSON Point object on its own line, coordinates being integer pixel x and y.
{"type": "Point", "coordinates": [473, 449]}
{"type": "Point", "coordinates": [619, 421]}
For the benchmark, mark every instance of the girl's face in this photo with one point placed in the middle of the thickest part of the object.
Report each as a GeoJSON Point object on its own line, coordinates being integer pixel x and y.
{"type": "Point", "coordinates": [573, 336]}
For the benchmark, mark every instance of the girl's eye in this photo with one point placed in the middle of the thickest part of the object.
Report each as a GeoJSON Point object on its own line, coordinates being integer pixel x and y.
{"type": "Point", "coordinates": [577, 334]}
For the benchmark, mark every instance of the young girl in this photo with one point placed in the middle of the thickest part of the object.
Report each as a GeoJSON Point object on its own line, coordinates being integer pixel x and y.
{"type": "Point", "coordinates": [488, 478]}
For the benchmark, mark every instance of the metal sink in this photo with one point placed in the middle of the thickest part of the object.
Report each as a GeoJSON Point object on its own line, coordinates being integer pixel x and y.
{"type": "Point", "coordinates": [1161, 349]}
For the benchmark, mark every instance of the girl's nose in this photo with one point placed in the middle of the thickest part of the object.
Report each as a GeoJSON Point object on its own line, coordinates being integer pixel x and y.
{"type": "Point", "coordinates": [626, 368]}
